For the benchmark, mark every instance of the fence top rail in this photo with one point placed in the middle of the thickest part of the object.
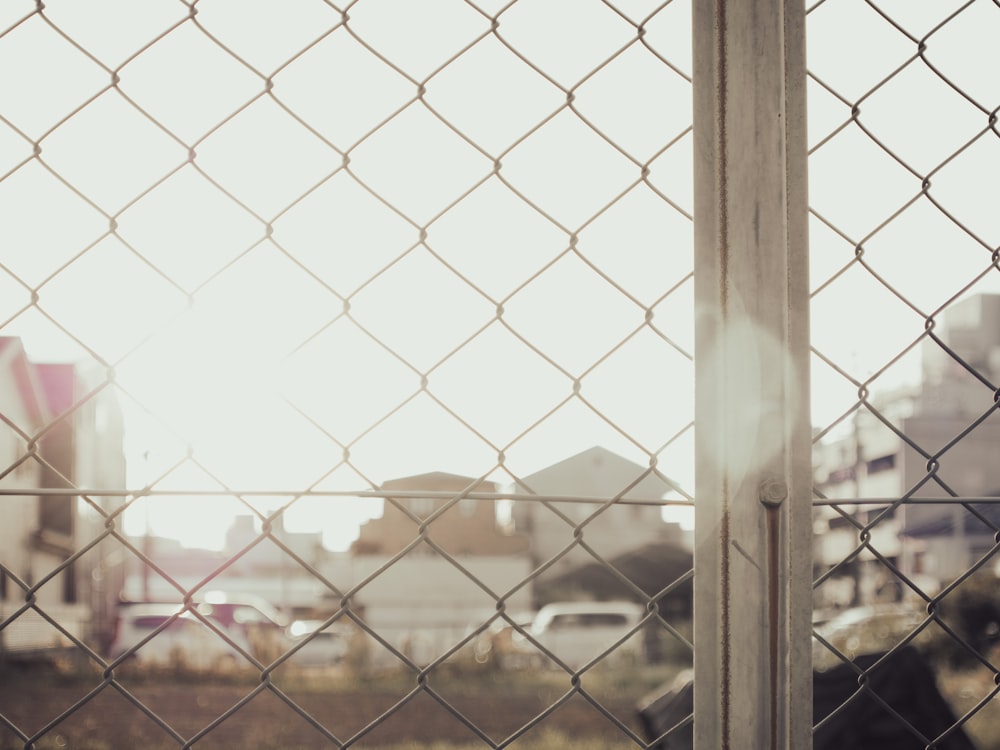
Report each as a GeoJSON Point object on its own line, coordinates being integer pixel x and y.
{"type": "Point", "coordinates": [373, 494]}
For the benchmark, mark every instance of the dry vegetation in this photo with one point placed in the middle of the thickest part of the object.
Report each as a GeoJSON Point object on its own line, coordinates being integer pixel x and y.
{"type": "Point", "coordinates": [384, 713]}
{"type": "Point", "coordinates": [374, 712]}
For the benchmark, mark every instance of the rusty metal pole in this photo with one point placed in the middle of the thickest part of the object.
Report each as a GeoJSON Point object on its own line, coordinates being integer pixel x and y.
{"type": "Point", "coordinates": [753, 562]}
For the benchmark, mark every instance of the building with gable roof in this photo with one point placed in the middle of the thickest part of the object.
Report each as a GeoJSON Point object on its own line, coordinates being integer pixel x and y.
{"type": "Point", "coordinates": [597, 500]}
{"type": "Point", "coordinates": [462, 525]}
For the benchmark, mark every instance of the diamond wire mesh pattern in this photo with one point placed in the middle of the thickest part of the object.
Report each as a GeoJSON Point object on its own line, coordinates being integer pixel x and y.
{"type": "Point", "coordinates": [903, 145]}
{"type": "Point", "coordinates": [920, 194]}
{"type": "Point", "coordinates": [295, 252]}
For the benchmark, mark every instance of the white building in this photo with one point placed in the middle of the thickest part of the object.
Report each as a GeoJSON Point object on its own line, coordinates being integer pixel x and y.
{"type": "Point", "coordinates": [611, 506]}
{"type": "Point", "coordinates": [424, 605]}
{"type": "Point", "coordinates": [943, 443]}
{"type": "Point", "coordinates": [59, 433]}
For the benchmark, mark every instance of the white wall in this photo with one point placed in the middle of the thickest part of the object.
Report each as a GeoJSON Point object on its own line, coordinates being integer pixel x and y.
{"type": "Point", "coordinates": [423, 605]}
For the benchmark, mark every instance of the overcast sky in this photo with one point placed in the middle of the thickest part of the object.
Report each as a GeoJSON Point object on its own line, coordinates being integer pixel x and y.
{"type": "Point", "coordinates": [289, 237]}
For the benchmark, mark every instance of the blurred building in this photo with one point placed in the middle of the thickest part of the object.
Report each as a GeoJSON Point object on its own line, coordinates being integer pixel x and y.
{"type": "Point", "coordinates": [445, 551]}
{"type": "Point", "coordinates": [266, 555]}
{"type": "Point", "coordinates": [937, 440]}
{"type": "Point", "coordinates": [595, 498]}
{"type": "Point", "coordinates": [62, 431]}
{"type": "Point", "coordinates": [250, 565]}
{"type": "Point", "coordinates": [459, 524]}
{"type": "Point", "coordinates": [424, 603]}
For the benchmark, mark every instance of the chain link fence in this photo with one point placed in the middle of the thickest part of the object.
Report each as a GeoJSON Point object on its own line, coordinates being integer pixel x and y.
{"type": "Point", "coordinates": [355, 334]}
{"type": "Point", "coordinates": [904, 264]}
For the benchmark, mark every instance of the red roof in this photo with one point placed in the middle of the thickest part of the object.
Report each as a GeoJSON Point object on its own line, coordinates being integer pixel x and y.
{"type": "Point", "coordinates": [29, 387]}
{"type": "Point", "coordinates": [58, 381]}
{"type": "Point", "coordinates": [46, 390]}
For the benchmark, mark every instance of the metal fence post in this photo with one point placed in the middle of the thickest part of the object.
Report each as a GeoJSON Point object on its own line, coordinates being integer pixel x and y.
{"type": "Point", "coordinates": [753, 529]}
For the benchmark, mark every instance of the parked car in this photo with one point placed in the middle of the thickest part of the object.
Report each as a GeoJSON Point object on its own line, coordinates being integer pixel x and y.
{"type": "Point", "coordinates": [241, 610]}
{"type": "Point", "coordinates": [262, 625]}
{"type": "Point", "coordinates": [578, 632]}
{"type": "Point", "coordinates": [318, 646]}
{"type": "Point", "coordinates": [865, 630]}
{"type": "Point", "coordinates": [157, 634]}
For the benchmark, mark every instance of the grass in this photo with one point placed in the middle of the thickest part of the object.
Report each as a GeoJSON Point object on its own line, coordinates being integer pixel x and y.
{"type": "Point", "coordinates": [267, 725]}
{"type": "Point", "coordinates": [547, 740]}
{"type": "Point", "coordinates": [543, 740]}
{"type": "Point", "coordinates": [964, 690]}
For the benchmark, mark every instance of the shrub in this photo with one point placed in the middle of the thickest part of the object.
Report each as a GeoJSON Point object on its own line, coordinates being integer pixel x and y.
{"type": "Point", "coordinates": [972, 613]}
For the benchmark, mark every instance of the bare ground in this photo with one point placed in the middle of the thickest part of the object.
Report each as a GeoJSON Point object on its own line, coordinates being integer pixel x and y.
{"type": "Point", "coordinates": [93, 714]}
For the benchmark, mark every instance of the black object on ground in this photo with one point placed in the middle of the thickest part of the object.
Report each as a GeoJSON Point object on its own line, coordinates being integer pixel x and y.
{"type": "Point", "coordinates": [867, 705]}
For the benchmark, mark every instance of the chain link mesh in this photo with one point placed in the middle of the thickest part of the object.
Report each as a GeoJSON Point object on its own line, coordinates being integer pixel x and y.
{"type": "Point", "coordinates": [298, 252]}
{"type": "Point", "coordinates": [903, 141]}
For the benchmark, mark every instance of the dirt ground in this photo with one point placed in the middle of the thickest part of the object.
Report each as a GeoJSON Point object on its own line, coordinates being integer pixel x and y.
{"type": "Point", "coordinates": [259, 717]}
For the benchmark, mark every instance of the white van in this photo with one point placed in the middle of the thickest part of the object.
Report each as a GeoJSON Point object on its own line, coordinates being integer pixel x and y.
{"type": "Point", "coordinates": [579, 632]}
{"type": "Point", "coordinates": [181, 640]}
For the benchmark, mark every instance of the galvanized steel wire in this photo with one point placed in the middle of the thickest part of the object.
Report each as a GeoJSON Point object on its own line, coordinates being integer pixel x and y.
{"type": "Point", "coordinates": [653, 168]}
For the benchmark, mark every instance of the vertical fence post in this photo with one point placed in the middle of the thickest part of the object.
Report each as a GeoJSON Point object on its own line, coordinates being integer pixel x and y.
{"type": "Point", "coordinates": [753, 562]}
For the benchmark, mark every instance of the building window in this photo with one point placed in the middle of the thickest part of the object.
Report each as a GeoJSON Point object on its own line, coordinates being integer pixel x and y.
{"type": "Point", "coordinates": [56, 525]}
{"type": "Point", "coordinates": [421, 506]}
{"type": "Point", "coordinates": [56, 514]}
{"type": "Point", "coordinates": [882, 463]}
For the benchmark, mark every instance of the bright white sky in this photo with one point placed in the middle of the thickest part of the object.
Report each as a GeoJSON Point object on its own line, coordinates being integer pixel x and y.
{"type": "Point", "coordinates": [259, 305]}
